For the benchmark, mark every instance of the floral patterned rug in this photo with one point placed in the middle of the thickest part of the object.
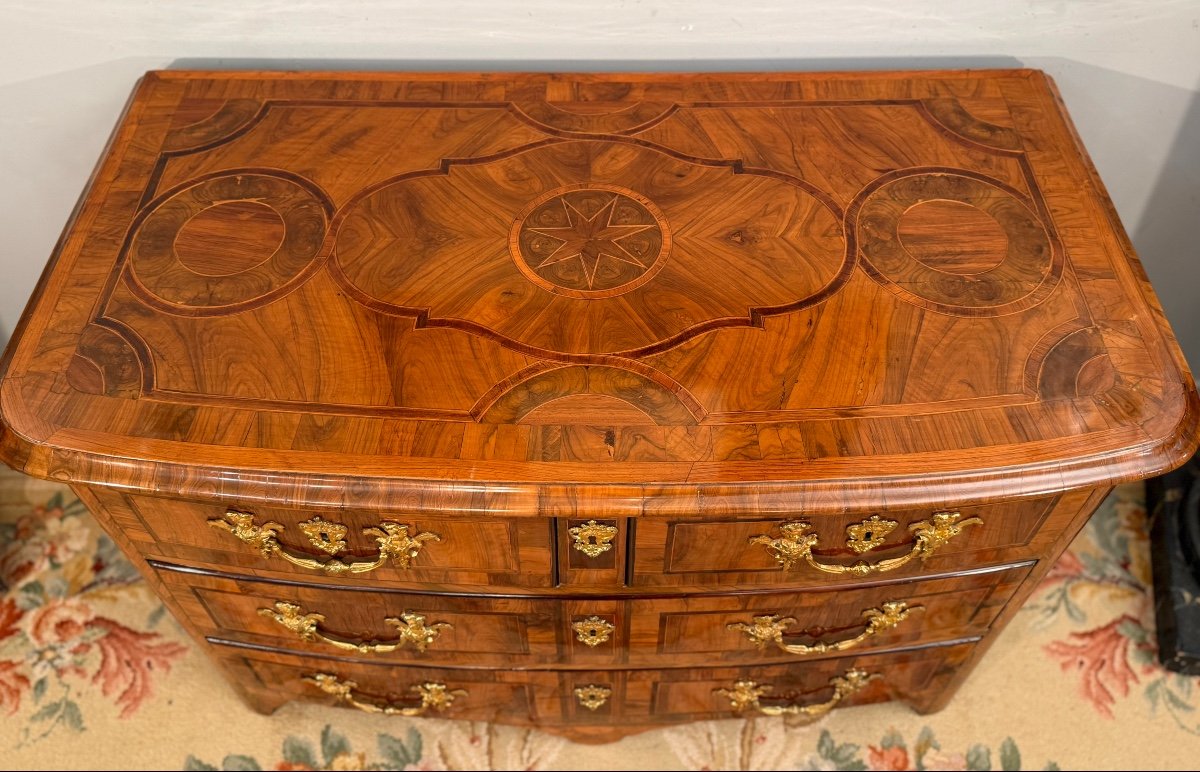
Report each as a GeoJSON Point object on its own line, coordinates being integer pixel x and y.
{"type": "Point", "coordinates": [94, 675]}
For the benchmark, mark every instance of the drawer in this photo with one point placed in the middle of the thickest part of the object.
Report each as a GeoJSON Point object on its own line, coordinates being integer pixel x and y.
{"type": "Point", "coordinates": [800, 626]}
{"type": "Point", "coordinates": [610, 697]}
{"type": "Point", "coordinates": [385, 625]}
{"type": "Point", "coordinates": [461, 630]}
{"type": "Point", "coordinates": [313, 546]}
{"type": "Point", "coordinates": [828, 549]}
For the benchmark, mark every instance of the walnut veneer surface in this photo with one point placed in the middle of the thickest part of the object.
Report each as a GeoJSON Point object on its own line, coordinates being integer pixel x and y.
{"type": "Point", "coordinates": [594, 402]}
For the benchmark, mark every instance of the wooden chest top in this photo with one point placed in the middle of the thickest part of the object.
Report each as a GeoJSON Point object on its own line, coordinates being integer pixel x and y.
{"type": "Point", "coordinates": [541, 293]}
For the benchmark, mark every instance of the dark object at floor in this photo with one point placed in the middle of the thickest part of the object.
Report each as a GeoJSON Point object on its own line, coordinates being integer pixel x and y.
{"type": "Point", "coordinates": [1174, 503]}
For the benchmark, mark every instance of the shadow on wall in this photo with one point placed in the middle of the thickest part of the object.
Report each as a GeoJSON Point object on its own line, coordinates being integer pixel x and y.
{"type": "Point", "coordinates": [52, 130]}
{"type": "Point", "coordinates": [1166, 237]}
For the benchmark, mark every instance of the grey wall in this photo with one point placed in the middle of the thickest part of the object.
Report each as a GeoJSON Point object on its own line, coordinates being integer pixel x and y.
{"type": "Point", "coordinates": [1129, 71]}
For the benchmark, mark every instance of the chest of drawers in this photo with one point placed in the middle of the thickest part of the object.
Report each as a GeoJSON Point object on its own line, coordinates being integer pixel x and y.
{"type": "Point", "coordinates": [594, 402]}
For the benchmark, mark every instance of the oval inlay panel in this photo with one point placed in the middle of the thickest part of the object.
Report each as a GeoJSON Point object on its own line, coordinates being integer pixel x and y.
{"type": "Point", "coordinates": [229, 238]}
{"type": "Point", "coordinates": [955, 242]}
{"type": "Point", "coordinates": [227, 242]}
{"type": "Point", "coordinates": [953, 236]}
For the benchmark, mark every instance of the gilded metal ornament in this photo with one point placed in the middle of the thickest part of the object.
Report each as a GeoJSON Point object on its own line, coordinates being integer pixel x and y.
{"type": "Point", "coordinates": [869, 534]}
{"type": "Point", "coordinates": [765, 630]}
{"type": "Point", "coordinates": [325, 536]}
{"type": "Point", "coordinates": [593, 631]}
{"type": "Point", "coordinates": [748, 695]}
{"type": "Point", "coordinates": [592, 696]}
{"type": "Point", "coordinates": [592, 538]}
{"type": "Point", "coordinates": [432, 695]}
{"type": "Point", "coordinates": [289, 615]}
{"type": "Point", "coordinates": [743, 695]}
{"type": "Point", "coordinates": [796, 543]}
{"type": "Point", "coordinates": [411, 627]}
{"type": "Point", "coordinates": [392, 539]}
{"type": "Point", "coordinates": [793, 544]}
{"type": "Point", "coordinates": [413, 630]}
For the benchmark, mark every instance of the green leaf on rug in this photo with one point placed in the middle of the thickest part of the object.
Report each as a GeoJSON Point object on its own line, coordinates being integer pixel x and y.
{"type": "Point", "coordinates": [1010, 757]}
{"type": "Point", "coordinates": [299, 752]}
{"type": "Point", "coordinates": [333, 745]}
{"type": "Point", "coordinates": [1176, 701]}
{"type": "Point", "coordinates": [194, 764]}
{"type": "Point", "coordinates": [979, 757]}
{"type": "Point", "coordinates": [39, 689]}
{"type": "Point", "coordinates": [925, 741]}
{"type": "Point", "coordinates": [397, 753]}
{"type": "Point", "coordinates": [825, 744]}
{"type": "Point", "coordinates": [48, 711]}
{"type": "Point", "coordinates": [71, 715]}
{"type": "Point", "coordinates": [32, 592]}
{"type": "Point", "coordinates": [237, 763]}
{"type": "Point", "coordinates": [844, 756]}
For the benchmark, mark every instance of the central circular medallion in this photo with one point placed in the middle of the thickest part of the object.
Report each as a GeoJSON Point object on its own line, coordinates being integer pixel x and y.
{"type": "Point", "coordinates": [590, 241]}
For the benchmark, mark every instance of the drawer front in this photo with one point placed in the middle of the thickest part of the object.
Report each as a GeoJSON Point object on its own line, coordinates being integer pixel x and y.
{"type": "Point", "coordinates": [393, 626]}
{"type": "Point", "coordinates": [795, 627]}
{"type": "Point", "coordinates": [346, 546]}
{"type": "Point", "coordinates": [688, 694]}
{"type": "Point", "coordinates": [376, 625]}
{"type": "Point", "coordinates": [741, 551]}
{"type": "Point", "coordinates": [611, 697]}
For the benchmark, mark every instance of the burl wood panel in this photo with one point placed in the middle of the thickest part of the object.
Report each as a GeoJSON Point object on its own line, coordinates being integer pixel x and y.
{"type": "Point", "coordinates": [640, 699]}
{"type": "Point", "coordinates": [530, 632]}
{"type": "Point", "coordinates": [482, 292]}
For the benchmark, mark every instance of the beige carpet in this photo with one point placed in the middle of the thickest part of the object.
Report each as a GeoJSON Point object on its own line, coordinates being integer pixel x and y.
{"type": "Point", "coordinates": [93, 675]}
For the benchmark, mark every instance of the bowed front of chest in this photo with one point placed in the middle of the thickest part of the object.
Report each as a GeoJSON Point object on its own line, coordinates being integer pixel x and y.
{"type": "Point", "coordinates": [595, 403]}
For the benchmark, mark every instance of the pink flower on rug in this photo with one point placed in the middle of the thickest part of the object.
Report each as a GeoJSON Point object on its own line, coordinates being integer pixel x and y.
{"type": "Point", "coordinates": [42, 536]}
{"type": "Point", "coordinates": [128, 661]}
{"type": "Point", "coordinates": [1068, 566]}
{"type": "Point", "coordinates": [12, 684]}
{"type": "Point", "coordinates": [895, 757]}
{"type": "Point", "coordinates": [59, 622]}
{"type": "Point", "coordinates": [64, 632]}
{"type": "Point", "coordinates": [10, 617]}
{"type": "Point", "coordinates": [287, 766]}
{"type": "Point", "coordinates": [1101, 656]}
{"type": "Point", "coordinates": [59, 633]}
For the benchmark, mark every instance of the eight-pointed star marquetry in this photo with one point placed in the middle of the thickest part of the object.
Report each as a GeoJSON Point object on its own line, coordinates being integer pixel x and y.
{"type": "Point", "coordinates": [590, 239]}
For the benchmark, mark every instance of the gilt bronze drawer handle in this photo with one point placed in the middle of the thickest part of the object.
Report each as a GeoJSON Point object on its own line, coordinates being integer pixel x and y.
{"type": "Point", "coordinates": [592, 696]}
{"type": "Point", "coordinates": [749, 694]}
{"type": "Point", "coordinates": [412, 628]}
{"type": "Point", "coordinates": [395, 545]}
{"type": "Point", "coordinates": [796, 543]}
{"type": "Point", "coordinates": [770, 629]}
{"type": "Point", "coordinates": [432, 695]}
{"type": "Point", "coordinates": [592, 538]}
{"type": "Point", "coordinates": [592, 631]}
